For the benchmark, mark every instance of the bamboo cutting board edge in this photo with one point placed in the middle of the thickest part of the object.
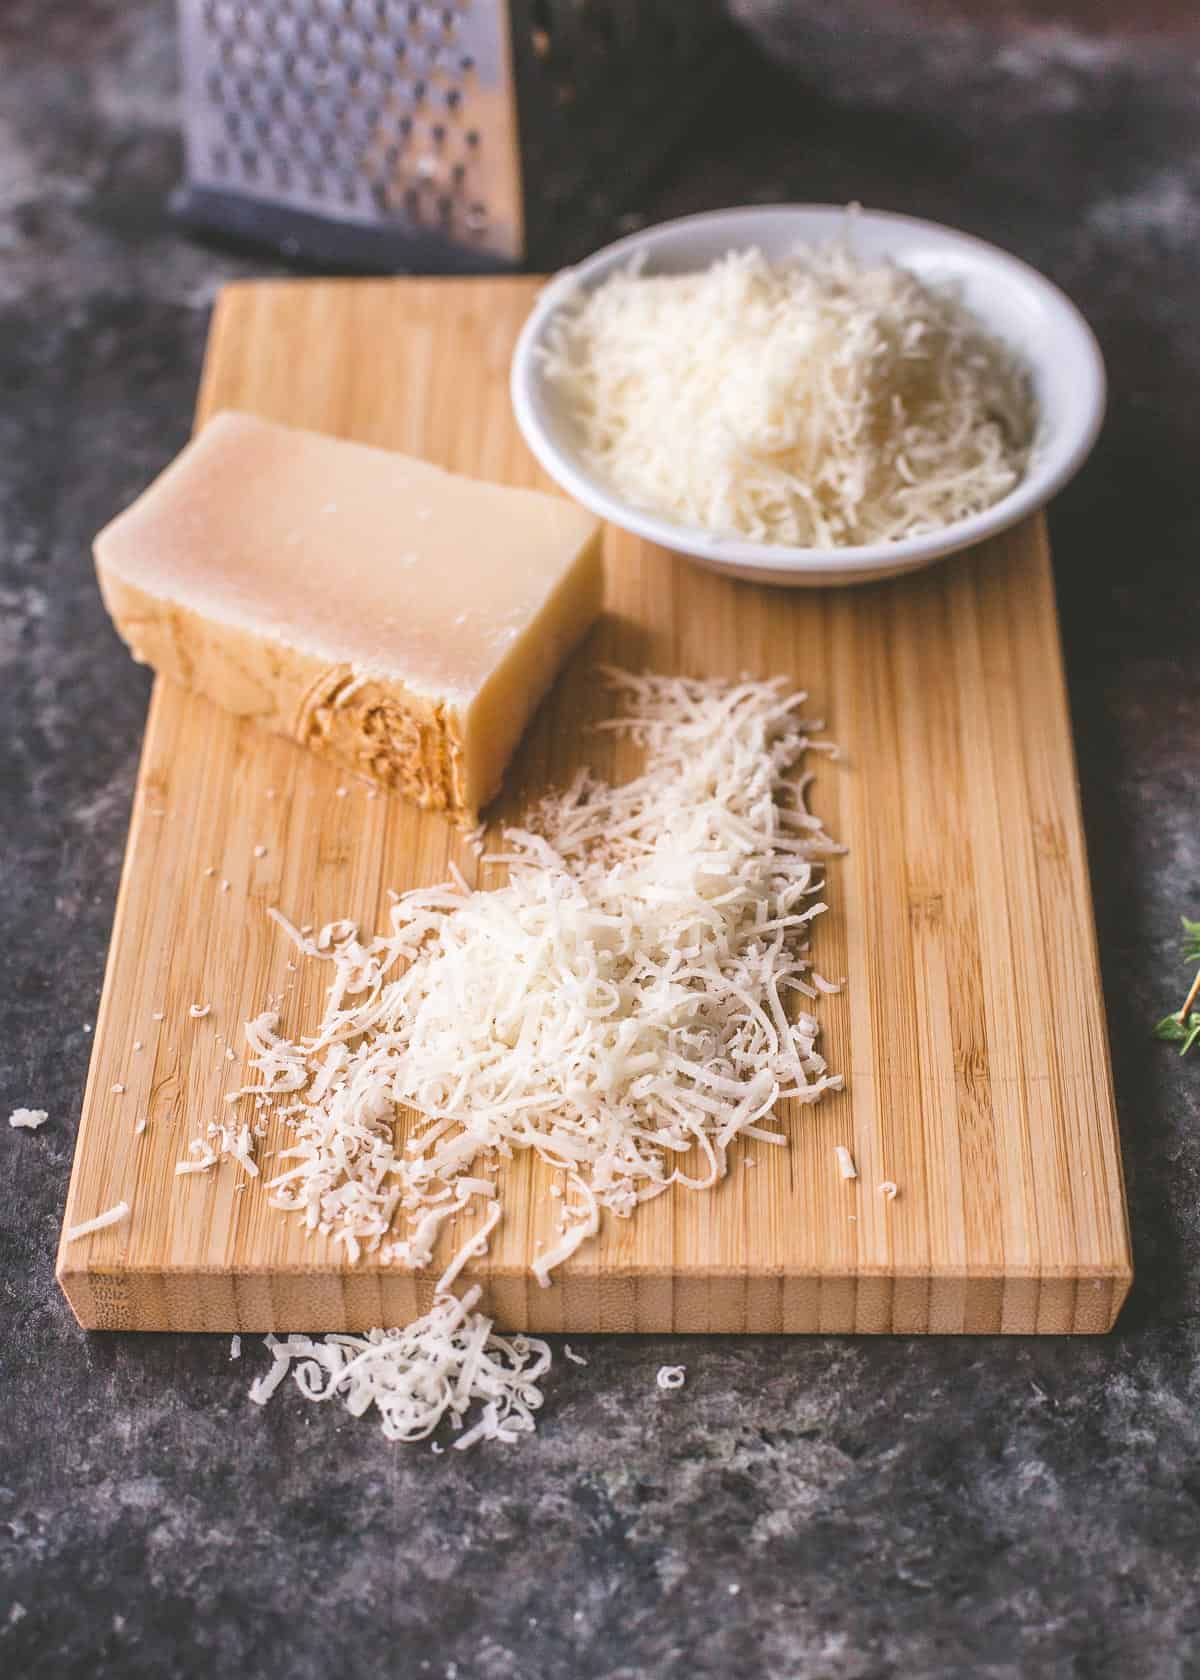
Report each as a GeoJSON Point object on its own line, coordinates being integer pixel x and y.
{"type": "Point", "coordinates": [107, 1285]}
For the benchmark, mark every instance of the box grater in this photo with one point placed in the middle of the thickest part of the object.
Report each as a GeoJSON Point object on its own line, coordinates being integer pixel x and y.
{"type": "Point", "coordinates": [472, 135]}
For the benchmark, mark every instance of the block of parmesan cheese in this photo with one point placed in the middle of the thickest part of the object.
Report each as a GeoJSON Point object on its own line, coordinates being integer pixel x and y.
{"type": "Point", "coordinates": [401, 619]}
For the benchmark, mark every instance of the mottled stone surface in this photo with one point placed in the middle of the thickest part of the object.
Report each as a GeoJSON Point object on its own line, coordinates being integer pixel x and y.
{"type": "Point", "coordinates": [840, 1509]}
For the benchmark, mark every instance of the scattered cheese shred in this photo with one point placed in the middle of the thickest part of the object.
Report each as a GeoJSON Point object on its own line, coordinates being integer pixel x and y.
{"type": "Point", "coordinates": [28, 1119]}
{"type": "Point", "coordinates": [199, 1010]}
{"type": "Point", "coordinates": [112, 1216]}
{"type": "Point", "coordinates": [437, 1367]}
{"type": "Point", "coordinates": [889, 1190]}
{"type": "Point", "coordinates": [845, 1162]}
{"type": "Point", "coordinates": [671, 1376]}
{"type": "Point", "coordinates": [203, 1159]}
{"type": "Point", "coordinates": [235, 1347]}
{"type": "Point", "coordinates": [819, 402]}
{"type": "Point", "coordinates": [622, 1006]}
{"type": "Point", "coordinates": [569, 1353]}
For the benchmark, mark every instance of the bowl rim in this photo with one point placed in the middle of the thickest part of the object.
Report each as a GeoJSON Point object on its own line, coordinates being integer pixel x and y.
{"type": "Point", "coordinates": [1064, 454]}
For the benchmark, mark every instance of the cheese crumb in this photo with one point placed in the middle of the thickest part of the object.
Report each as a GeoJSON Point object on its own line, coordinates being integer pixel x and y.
{"type": "Point", "coordinates": [199, 1010]}
{"type": "Point", "coordinates": [569, 1353]}
{"type": "Point", "coordinates": [112, 1216]}
{"type": "Point", "coordinates": [671, 1376]}
{"type": "Point", "coordinates": [235, 1347]}
{"type": "Point", "coordinates": [117, 1090]}
{"type": "Point", "coordinates": [204, 1157]}
{"type": "Point", "coordinates": [889, 1190]}
{"type": "Point", "coordinates": [845, 1162]}
{"type": "Point", "coordinates": [28, 1119]}
{"type": "Point", "coordinates": [260, 851]}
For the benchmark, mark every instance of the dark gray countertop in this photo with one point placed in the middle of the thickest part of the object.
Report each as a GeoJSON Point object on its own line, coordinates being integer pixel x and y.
{"type": "Point", "coordinates": [848, 1508]}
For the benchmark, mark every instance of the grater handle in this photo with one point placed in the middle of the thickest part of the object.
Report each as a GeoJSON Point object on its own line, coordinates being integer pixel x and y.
{"type": "Point", "coordinates": [319, 243]}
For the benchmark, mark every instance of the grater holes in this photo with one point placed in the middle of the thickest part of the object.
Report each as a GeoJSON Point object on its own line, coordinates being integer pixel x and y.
{"type": "Point", "coordinates": [347, 105]}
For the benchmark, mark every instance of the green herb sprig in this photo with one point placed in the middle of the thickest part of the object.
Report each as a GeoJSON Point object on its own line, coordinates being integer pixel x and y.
{"type": "Point", "coordinates": [1183, 1028]}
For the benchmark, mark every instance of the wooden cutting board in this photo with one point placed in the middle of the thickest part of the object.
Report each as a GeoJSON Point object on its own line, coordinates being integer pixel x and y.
{"type": "Point", "coordinates": [971, 1029]}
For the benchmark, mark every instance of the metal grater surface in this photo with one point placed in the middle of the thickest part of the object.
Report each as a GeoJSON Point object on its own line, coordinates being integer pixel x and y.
{"type": "Point", "coordinates": [471, 134]}
{"type": "Point", "coordinates": [373, 114]}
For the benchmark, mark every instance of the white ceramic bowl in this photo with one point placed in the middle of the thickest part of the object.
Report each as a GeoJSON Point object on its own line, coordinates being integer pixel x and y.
{"type": "Point", "coordinates": [1021, 307]}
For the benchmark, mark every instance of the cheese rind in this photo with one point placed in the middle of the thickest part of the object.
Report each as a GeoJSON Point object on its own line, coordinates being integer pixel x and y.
{"type": "Point", "coordinates": [401, 619]}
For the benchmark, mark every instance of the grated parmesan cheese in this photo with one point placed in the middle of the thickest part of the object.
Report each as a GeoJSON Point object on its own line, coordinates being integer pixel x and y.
{"type": "Point", "coordinates": [28, 1119]}
{"type": "Point", "coordinates": [620, 1007]}
{"type": "Point", "coordinates": [111, 1216]}
{"type": "Point", "coordinates": [888, 1190]}
{"type": "Point", "coordinates": [671, 1376]}
{"type": "Point", "coordinates": [437, 1367]}
{"type": "Point", "coordinates": [819, 402]}
{"type": "Point", "coordinates": [845, 1162]}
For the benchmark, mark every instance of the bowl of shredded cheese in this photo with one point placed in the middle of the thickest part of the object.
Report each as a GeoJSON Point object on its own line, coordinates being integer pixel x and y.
{"type": "Point", "coordinates": [805, 394]}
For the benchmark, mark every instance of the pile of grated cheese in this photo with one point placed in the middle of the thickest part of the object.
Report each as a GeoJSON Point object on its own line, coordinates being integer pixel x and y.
{"type": "Point", "coordinates": [820, 402]}
{"type": "Point", "coordinates": [437, 1367]}
{"type": "Point", "coordinates": [622, 1006]}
